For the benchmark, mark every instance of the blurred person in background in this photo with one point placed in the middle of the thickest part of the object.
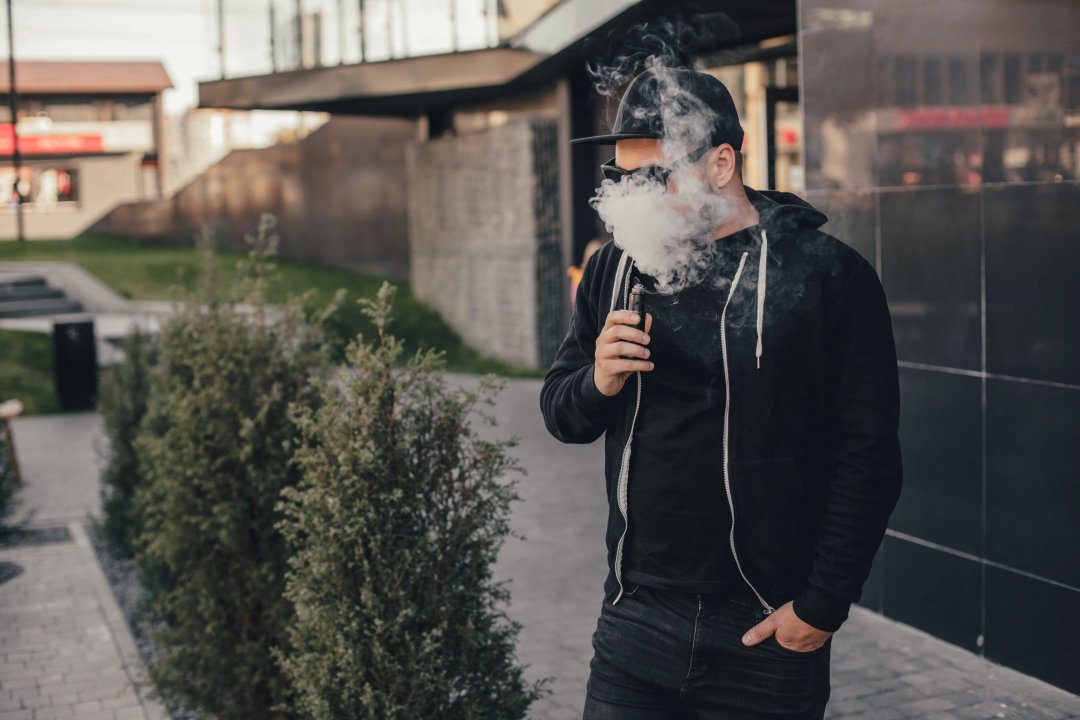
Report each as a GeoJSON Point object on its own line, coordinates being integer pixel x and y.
{"type": "Point", "coordinates": [575, 271]}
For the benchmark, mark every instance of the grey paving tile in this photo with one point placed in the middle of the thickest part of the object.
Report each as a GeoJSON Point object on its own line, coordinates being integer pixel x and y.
{"type": "Point", "coordinates": [62, 644]}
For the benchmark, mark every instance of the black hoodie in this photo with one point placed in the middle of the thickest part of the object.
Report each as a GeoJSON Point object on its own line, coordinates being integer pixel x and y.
{"type": "Point", "coordinates": [810, 447]}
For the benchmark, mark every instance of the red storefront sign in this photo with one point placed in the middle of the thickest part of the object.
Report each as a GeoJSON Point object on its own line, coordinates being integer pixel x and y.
{"type": "Point", "coordinates": [927, 118]}
{"type": "Point", "coordinates": [50, 144]}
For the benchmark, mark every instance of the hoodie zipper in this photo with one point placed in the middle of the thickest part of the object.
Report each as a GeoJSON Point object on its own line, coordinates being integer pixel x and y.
{"type": "Point", "coordinates": [727, 405]}
{"type": "Point", "coordinates": [624, 467]}
{"type": "Point", "coordinates": [621, 490]}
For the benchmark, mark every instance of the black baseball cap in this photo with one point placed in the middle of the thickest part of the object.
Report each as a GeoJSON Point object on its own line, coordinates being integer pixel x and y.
{"type": "Point", "coordinates": [640, 110]}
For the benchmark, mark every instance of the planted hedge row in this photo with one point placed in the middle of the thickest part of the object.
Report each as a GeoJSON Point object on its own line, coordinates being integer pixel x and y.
{"type": "Point", "coordinates": [316, 540]}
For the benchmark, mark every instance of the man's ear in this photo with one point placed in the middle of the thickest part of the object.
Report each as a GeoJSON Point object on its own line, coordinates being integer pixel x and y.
{"type": "Point", "coordinates": [721, 166]}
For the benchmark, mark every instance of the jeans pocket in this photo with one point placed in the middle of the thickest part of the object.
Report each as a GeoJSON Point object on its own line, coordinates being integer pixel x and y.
{"type": "Point", "coordinates": [742, 601]}
{"type": "Point", "coordinates": [772, 642]}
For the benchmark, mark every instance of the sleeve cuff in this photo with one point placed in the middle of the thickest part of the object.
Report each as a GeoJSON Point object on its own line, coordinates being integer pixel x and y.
{"type": "Point", "coordinates": [591, 395]}
{"type": "Point", "coordinates": [821, 609]}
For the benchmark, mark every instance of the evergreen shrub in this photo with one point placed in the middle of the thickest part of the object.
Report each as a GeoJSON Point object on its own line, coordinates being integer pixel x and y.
{"type": "Point", "coordinates": [125, 389]}
{"type": "Point", "coordinates": [393, 529]}
{"type": "Point", "coordinates": [213, 454]}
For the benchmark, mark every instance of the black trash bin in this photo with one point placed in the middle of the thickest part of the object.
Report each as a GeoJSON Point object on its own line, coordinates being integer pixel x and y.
{"type": "Point", "coordinates": [75, 364]}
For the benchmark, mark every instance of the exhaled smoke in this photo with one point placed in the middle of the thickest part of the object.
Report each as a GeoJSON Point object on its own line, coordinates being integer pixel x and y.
{"type": "Point", "coordinates": [665, 232]}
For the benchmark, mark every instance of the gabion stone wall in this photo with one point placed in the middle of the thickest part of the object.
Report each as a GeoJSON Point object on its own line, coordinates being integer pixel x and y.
{"type": "Point", "coordinates": [484, 233]}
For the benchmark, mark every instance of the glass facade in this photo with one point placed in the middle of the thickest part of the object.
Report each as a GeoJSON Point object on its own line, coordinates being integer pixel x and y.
{"type": "Point", "coordinates": [943, 140]}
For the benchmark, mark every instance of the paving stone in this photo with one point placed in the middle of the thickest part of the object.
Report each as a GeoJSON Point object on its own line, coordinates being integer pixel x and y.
{"type": "Point", "coordinates": [557, 588]}
{"type": "Point", "coordinates": [59, 636]}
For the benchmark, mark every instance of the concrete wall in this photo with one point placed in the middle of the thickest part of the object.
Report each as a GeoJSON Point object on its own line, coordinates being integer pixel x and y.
{"type": "Point", "coordinates": [103, 181]}
{"type": "Point", "coordinates": [484, 234]}
{"type": "Point", "coordinates": [339, 196]}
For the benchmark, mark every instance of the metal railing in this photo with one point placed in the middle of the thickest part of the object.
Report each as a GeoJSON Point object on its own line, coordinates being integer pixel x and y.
{"type": "Point", "coordinates": [302, 34]}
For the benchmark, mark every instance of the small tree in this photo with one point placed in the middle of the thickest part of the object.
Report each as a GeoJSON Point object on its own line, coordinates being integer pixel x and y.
{"type": "Point", "coordinates": [125, 390]}
{"type": "Point", "coordinates": [213, 450]}
{"type": "Point", "coordinates": [393, 530]}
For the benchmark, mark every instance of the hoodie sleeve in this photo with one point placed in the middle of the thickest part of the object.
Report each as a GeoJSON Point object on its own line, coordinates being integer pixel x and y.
{"type": "Point", "coordinates": [574, 409]}
{"type": "Point", "coordinates": [863, 396]}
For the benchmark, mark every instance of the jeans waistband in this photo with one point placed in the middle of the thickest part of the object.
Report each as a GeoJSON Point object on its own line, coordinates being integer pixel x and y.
{"type": "Point", "coordinates": [739, 595]}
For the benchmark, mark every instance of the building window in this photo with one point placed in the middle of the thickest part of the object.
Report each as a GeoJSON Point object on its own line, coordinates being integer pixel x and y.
{"type": "Point", "coordinates": [905, 82]}
{"type": "Point", "coordinates": [1013, 94]}
{"type": "Point", "coordinates": [959, 88]}
{"type": "Point", "coordinates": [42, 186]}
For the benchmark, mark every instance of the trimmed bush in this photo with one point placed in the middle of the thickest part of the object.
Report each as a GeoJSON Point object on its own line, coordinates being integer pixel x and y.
{"type": "Point", "coordinates": [213, 453]}
{"type": "Point", "coordinates": [393, 530]}
{"type": "Point", "coordinates": [125, 389]}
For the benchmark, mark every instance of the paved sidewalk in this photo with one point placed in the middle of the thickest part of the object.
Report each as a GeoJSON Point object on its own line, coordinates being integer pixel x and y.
{"type": "Point", "coordinates": [66, 650]}
{"type": "Point", "coordinates": [881, 669]}
{"type": "Point", "coordinates": [62, 644]}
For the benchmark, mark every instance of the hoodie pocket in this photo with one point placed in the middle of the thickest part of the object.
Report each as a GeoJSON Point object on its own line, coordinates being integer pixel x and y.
{"type": "Point", "coordinates": [768, 497]}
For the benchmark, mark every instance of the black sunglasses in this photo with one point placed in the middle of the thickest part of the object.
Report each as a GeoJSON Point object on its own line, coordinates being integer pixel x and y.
{"type": "Point", "coordinates": [650, 173]}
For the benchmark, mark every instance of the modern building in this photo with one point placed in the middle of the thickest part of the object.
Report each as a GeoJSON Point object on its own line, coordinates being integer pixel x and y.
{"type": "Point", "coordinates": [91, 135]}
{"type": "Point", "coordinates": [943, 141]}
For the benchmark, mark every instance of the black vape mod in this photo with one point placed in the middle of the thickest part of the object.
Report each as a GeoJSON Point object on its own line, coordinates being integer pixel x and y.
{"type": "Point", "coordinates": [637, 304]}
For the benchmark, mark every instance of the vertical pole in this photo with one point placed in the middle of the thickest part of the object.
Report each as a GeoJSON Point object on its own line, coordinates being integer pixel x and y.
{"type": "Point", "coordinates": [390, 28]}
{"type": "Point", "coordinates": [404, 28]}
{"type": "Point", "coordinates": [453, 25]}
{"type": "Point", "coordinates": [299, 34]}
{"type": "Point", "coordinates": [564, 104]}
{"type": "Point", "coordinates": [491, 16]}
{"type": "Point", "coordinates": [221, 35]}
{"type": "Point", "coordinates": [360, 30]}
{"type": "Point", "coordinates": [160, 146]}
{"type": "Point", "coordinates": [341, 32]}
{"type": "Point", "coordinates": [487, 34]}
{"type": "Point", "coordinates": [273, 38]}
{"type": "Point", "coordinates": [13, 105]}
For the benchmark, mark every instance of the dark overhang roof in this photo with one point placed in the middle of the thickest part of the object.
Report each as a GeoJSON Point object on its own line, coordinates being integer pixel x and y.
{"type": "Point", "coordinates": [388, 87]}
{"type": "Point", "coordinates": [561, 38]}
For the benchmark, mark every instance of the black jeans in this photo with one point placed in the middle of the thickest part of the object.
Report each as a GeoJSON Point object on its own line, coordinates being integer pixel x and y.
{"type": "Point", "coordinates": [673, 655]}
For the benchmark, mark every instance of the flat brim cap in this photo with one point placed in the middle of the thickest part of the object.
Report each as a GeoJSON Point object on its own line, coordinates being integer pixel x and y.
{"type": "Point", "coordinates": [610, 139]}
{"type": "Point", "coordinates": [641, 112]}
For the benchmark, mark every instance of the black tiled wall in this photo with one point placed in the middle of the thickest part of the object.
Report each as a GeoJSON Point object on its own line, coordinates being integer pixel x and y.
{"type": "Point", "coordinates": [943, 140]}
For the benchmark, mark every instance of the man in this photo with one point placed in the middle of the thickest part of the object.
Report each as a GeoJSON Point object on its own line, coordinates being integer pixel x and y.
{"type": "Point", "coordinates": [752, 452]}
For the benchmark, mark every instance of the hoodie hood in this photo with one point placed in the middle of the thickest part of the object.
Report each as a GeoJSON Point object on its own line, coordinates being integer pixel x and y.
{"type": "Point", "coordinates": [784, 213]}
{"type": "Point", "coordinates": [781, 215]}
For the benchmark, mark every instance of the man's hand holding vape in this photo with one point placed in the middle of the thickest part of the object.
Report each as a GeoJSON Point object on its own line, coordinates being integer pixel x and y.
{"type": "Point", "coordinates": [620, 350]}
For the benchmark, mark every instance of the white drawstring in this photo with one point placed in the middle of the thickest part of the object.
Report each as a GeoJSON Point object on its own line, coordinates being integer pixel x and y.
{"type": "Point", "coordinates": [761, 292]}
{"type": "Point", "coordinates": [622, 276]}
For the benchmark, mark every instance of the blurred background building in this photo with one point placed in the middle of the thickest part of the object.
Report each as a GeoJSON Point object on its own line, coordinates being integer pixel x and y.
{"type": "Point", "coordinates": [942, 138]}
{"type": "Point", "coordinates": [91, 136]}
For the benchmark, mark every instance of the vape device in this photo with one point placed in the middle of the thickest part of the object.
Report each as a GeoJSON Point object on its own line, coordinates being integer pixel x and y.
{"type": "Point", "coordinates": [637, 304]}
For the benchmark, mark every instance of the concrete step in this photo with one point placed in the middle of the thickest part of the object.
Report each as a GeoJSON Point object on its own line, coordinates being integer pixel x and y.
{"type": "Point", "coordinates": [44, 306]}
{"type": "Point", "coordinates": [17, 279]}
{"type": "Point", "coordinates": [13, 293]}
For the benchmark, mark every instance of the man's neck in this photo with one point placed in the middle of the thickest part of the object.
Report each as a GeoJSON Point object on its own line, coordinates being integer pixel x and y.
{"type": "Point", "coordinates": [745, 215]}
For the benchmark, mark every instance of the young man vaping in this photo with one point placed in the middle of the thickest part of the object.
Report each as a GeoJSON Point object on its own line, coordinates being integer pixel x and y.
{"type": "Point", "coordinates": [751, 429]}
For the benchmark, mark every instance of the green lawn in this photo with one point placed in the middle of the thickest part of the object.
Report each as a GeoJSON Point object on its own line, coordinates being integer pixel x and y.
{"type": "Point", "coordinates": [26, 371]}
{"type": "Point", "coordinates": [143, 271]}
